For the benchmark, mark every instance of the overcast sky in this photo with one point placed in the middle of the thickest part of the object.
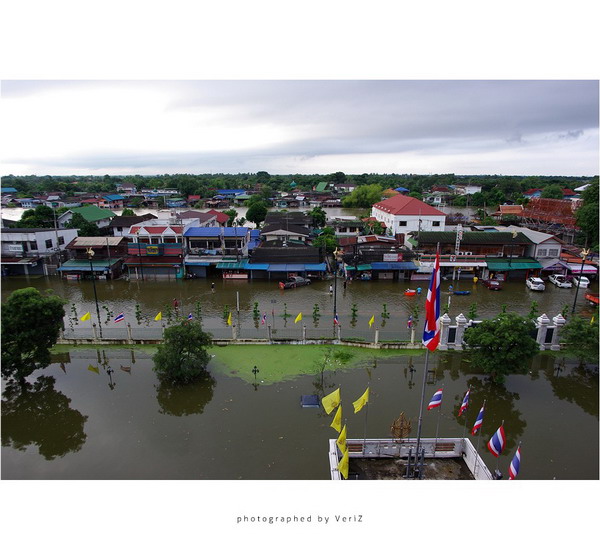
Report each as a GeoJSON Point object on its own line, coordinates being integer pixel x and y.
{"type": "Point", "coordinates": [463, 127]}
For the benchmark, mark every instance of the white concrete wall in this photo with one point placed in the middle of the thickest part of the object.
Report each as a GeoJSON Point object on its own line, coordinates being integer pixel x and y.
{"type": "Point", "coordinates": [392, 222]}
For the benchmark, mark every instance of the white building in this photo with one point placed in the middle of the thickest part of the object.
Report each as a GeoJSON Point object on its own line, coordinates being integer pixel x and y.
{"type": "Point", "coordinates": [403, 214]}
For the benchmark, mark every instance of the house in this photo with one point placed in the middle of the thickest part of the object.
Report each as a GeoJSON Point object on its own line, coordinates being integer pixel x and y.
{"type": "Point", "coordinates": [505, 210]}
{"type": "Point", "coordinates": [276, 262]}
{"type": "Point", "coordinates": [466, 189]}
{"type": "Point", "coordinates": [120, 224]}
{"type": "Point", "coordinates": [403, 214]}
{"type": "Point", "coordinates": [99, 216]}
{"type": "Point", "coordinates": [285, 233]}
{"type": "Point", "coordinates": [552, 216]}
{"type": "Point", "coordinates": [101, 256]}
{"type": "Point", "coordinates": [344, 187]}
{"type": "Point", "coordinates": [346, 226]}
{"type": "Point", "coordinates": [127, 188]}
{"type": "Point", "coordinates": [112, 201]}
{"type": "Point", "coordinates": [205, 219]}
{"type": "Point", "coordinates": [221, 217]}
{"type": "Point", "coordinates": [37, 251]}
{"type": "Point", "coordinates": [193, 199]}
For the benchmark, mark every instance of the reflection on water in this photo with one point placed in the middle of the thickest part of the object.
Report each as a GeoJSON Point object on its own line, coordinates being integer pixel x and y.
{"type": "Point", "coordinates": [178, 400]}
{"type": "Point", "coordinates": [225, 427]}
{"type": "Point", "coordinates": [37, 414]}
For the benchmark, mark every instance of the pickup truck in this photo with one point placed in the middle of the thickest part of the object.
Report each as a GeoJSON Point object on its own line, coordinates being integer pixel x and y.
{"type": "Point", "coordinates": [294, 282]}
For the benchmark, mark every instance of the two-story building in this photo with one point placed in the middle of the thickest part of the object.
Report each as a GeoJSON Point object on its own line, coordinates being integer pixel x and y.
{"type": "Point", "coordinates": [403, 214]}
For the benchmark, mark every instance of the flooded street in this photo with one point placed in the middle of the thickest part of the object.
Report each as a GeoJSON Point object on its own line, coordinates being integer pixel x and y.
{"type": "Point", "coordinates": [76, 423]}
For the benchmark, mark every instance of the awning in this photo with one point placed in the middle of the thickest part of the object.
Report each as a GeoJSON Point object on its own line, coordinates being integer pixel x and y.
{"type": "Point", "coordinates": [321, 267]}
{"type": "Point", "coordinates": [197, 263]}
{"type": "Point", "coordinates": [233, 265]}
{"type": "Point", "coordinates": [20, 260]}
{"type": "Point", "coordinates": [576, 268]}
{"type": "Point", "coordinates": [515, 264]}
{"type": "Point", "coordinates": [393, 266]}
{"type": "Point", "coordinates": [257, 266]}
{"type": "Point", "coordinates": [360, 267]}
{"type": "Point", "coordinates": [75, 265]}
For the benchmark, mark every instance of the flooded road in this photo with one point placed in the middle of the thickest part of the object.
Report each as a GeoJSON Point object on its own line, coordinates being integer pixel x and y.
{"type": "Point", "coordinates": [78, 422]}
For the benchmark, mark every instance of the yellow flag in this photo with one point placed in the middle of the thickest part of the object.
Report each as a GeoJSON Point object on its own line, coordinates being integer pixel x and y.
{"type": "Point", "coordinates": [331, 401]}
{"type": "Point", "coordinates": [337, 420]}
{"type": "Point", "coordinates": [362, 401]}
{"type": "Point", "coordinates": [343, 465]}
{"type": "Point", "coordinates": [341, 440]}
{"type": "Point", "coordinates": [371, 321]}
{"type": "Point", "coordinates": [592, 321]}
{"type": "Point", "coordinates": [94, 369]}
{"type": "Point", "coordinates": [158, 316]}
{"type": "Point", "coordinates": [86, 317]}
{"type": "Point", "coordinates": [229, 319]}
{"type": "Point", "coordinates": [298, 318]}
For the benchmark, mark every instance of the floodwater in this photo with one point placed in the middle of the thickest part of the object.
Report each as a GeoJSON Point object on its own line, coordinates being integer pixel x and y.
{"type": "Point", "coordinates": [76, 423]}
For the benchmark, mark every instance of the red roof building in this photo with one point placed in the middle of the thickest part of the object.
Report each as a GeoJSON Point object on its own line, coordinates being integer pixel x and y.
{"type": "Point", "coordinates": [403, 214]}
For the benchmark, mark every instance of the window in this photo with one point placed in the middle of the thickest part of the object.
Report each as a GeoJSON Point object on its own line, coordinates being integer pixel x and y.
{"type": "Point", "coordinates": [33, 246]}
{"type": "Point", "coordinates": [48, 243]}
{"type": "Point", "coordinates": [61, 240]}
{"type": "Point", "coordinates": [542, 252]}
{"type": "Point", "coordinates": [402, 223]}
{"type": "Point", "coordinates": [435, 224]}
{"type": "Point", "coordinates": [553, 252]}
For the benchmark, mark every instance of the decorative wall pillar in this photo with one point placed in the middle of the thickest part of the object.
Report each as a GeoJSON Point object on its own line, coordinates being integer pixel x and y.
{"type": "Point", "coordinates": [542, 326]}
{"type": "Point", "coordinates": [461, 326]}
{"type": "Point", "coordinates": [445, 323]}
{"type": "Point", "coordinates": [303, 334]}
{"type": "Point", "coordinates": [559, 323]}
{"type": "Point", "coordinates": [376, 336]}
{"type": "Point", "coordinates": [129, 337]}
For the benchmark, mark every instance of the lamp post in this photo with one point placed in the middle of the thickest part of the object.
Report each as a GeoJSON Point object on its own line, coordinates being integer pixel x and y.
{"type": "Point", "coordinates": [255, 370]}
{"type": "Point", "coordinates": [584, 253]}
{"type": "Point", "coordinates": [90, 254]}
{"type": "Point", "coordinates": [336, 255]}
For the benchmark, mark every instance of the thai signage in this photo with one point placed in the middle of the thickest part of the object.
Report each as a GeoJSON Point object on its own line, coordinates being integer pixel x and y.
{"type": "Point", "coordinates": [392, 257]}
{"type": "Point", "coordinates": [15, 248]}
{"type": "Point", "coordinates": [152, 250]}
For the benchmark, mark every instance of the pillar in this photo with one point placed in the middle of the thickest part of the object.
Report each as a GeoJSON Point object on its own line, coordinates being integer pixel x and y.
{"type": "Point", "coordinates": [559, 323]}
{"type": "Point", "coordinates": [461, 326]}
{"type": "Point", "coordinates": [269, 331]}
{"type": "Point", "coordinates": [129, 336]}
{"type": "Point", "coordinates": [304, 334]}
{"type": "Point", "coordinates": [94, 329]}
{"type": "Point", "coordinates": [376, 336]}
{"type": "Point", "coordinates": [542, 326]}
{"type": "Point", "coordinates": [445, 323]}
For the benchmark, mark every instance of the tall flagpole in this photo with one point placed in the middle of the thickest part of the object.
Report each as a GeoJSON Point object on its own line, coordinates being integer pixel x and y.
{"type": "Point", "coordinates": [498, 457]}
{"type": "Point", "coordinates": [421, 406]}
{"type": "Point", "coordinates": [478, 441]}
{"type": "Point", "coordinates": [437, 428]}
{"type": "Point", "coordinates": [465, 426]}
{"type": "Point", "coordinates": [366, 416]}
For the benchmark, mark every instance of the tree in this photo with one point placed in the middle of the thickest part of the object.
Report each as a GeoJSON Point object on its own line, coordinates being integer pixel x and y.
{"type": "Point", "coordinates": [581, 339]}
{"type": "Point", "coordinates": [40, 217]}
{"type": "Point", "coordinates": [256, 213]}
{"type": "Point", "coordinates": [319, 216]}
{"type": "Point", "coordinates": [128, 212]}
{"type": "Point", "coordinates": [326, 240]}
{"type": "Point", "coordinates": [232, 215]}
{"type": "Point", "coordinates": [363, 197]}
{"type": "Point", "coordinates": [502, 345]}
{"type": "Point", "coordinates": [182, 357]}
{"type": "Point", "coordinates": [587, 215]}
{"type": "Point", "coordinates": [262, 177]}
{"type": "Point", "coordinates": [83, 227]}
{"type": "Point", "coordinates": [31, 324]}
{"type": "Point", "coordinates": [337, 178]}
{"type": "Point", "coordinates": [552, 191]}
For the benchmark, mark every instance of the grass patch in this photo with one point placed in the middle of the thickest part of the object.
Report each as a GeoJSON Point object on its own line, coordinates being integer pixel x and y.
{"type": "Point", "coordinates": [283, 362]}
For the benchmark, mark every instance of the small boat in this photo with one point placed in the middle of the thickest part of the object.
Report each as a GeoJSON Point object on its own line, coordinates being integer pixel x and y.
{"type": "Point", "coordinates": [410, 292]}
{"type": "Point", "coordinates": [592, 298]}
{"type": "Point", "coordinates": [461, 292]}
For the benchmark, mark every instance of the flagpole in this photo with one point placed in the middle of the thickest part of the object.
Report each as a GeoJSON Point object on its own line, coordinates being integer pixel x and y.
{"type": "Point", "coordinates": [421, 405]}
{"type": "Point", "coordinates": [478, 442]}
{"type": "Point", "coordinates": [366, 416]}
{"type": "Point", "coordinates": [465, 426]}
{"type": "Point", "coordinates": [498, 458]}
{"type": "Point", "coordinates": [437, 428]}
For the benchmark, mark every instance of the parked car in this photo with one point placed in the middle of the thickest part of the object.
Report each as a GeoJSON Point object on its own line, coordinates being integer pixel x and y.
{"type": "Point", "coordinates": [581, 281]}
{"type": "Point", "coordinates": [560, 281]}
{"type": "Point", "coordinates": [536, 284]}
{"type": "Point", "coordinates": [492, 284]}
{"type": "Point", "coordinates": [294, 282]}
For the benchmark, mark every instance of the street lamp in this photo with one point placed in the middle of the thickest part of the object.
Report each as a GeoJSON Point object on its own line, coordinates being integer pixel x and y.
{"type": "Point", "coordinates": [584, 253]}
{"type": "Point", "coordinates": [255, 370]}
{"type": "Point", "coordinates": [90, 254]}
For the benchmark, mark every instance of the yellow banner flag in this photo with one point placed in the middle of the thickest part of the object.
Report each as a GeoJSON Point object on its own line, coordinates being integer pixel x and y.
{"type": "Point", "coordinates": [298, 318]}
{"type": "Point", "coordinates": [592, 321]}
{"type": "Point", "coordinates": [371, 321]}
{"type": "Point", "coordinates": [341, 440]}
{"type": "Point", "coordinates": [343, 465]}
{"type": "Point", "coordinates": [361, 401]}
{"type": "Point", "coordinates": [330, 401]}
{"type": "Point", "coordinates": [94, 369]}
{"type": "Point", "coordinates": [86, 317]}
{"type": "Point", "coordinates": [229, 319]}
{"type": "Point", "coordinates": [158, 316]}
{"type": "Point", "coordinates": [337, 420]}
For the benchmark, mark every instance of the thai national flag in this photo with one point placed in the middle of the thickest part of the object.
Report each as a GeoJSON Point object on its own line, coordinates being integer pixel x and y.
{"type": "Point", "coordinates": [409, 323]}
{"type": "Point", "coordinates": [478, 422]}
{"type": "Point", "coordinates": [264, 318]}
{"type": "Point", "coordinates": [436, 400]}
{"type": "Point", "coordinates": [336, 320]}
{"type": "Point", "coordinates": [190, 317]}
{"type": "Point", "coordinates": [515, 465]}
{"type": "Point", "coordinates": [431, 331]}
{"type": "Point", "coordinates": [496, 444]}
{"type": "Point", "coordinates": [120, 317]}
{"type": "Point", "coordinates": [465, 403]}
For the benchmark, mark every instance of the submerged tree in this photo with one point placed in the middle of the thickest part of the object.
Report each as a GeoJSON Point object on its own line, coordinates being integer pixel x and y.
{"type": "Point", "coordinates": [182, 357]}
{"type": "Point", "coordinates": [31, 324]}
{"type": "Point", "coordinates": [580, 337]}
{"type": "Point", "coordinates": [502, 345]}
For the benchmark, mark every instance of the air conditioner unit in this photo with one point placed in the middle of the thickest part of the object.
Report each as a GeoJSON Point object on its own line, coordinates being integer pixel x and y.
{"type": "Point", "coordinates": [501, 254]}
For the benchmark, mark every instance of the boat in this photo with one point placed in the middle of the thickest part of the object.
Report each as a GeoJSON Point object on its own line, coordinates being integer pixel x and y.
{"type": "Point", "coordinates": [592, 298]}
{"type": "Point", "coordinates": [410, 292]}
{"type": "Point", "coordinates": [461, 292]}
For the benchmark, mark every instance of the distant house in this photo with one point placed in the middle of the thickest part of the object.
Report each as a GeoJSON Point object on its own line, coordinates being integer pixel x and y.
{"type": "Point", "coordinates": [508, 210]}
{"type": "Point", "coordinates": [106, 261]}
{"type": "Point", "coordinates": [99, 216]}
{"type": "Point", "coordinates": [402, 214]}
{"type": "Point", "coordinates": [221, 217]}
{"type": "Point", "coordinates": [120, 224]}
{"type": "Point", "coordinates": [285, 234]}
{"type": "Point", "coordinates": [344, 227]}
{"type": "Point", "coordinates": [205, 219]}
{"type": "Point", "coordinates": [8, 190]}
{"type": "Point", "coordinates": [193, 199]}
{"type": "Point", "coordinates": [127, 188]}
{"type": "Point", "coordinates": [466, 189]}
{"type": "Point", "coordinates": [112, 201]}
{"type": "Point", "coordinates": [344, 187]}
